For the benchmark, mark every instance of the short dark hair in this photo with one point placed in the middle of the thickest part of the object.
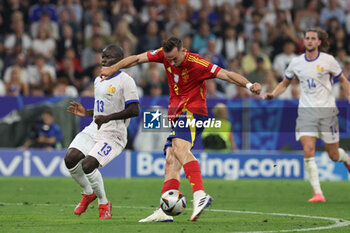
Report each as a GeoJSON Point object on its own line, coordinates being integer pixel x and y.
{"type": "Point", "coordinates": [116, 50]}
{"type": "Point", "coordinates": [171, 43]}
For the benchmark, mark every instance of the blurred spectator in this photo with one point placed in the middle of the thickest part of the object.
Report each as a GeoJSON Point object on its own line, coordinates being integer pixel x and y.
{"type": "Point", "coordinates": [201, 38]}
{"type": "Point", "coordinates": [256, 22]}
{"type": "Point", "coordinates": [18, 37]}
{"type": "Point", "coordinates": [89, 53]}
{"type": "Point", "coordinates": [63, 88]}
{"type": "Point", "coordinates": [45, 135]}
{"type": "Point", "coordinates": [282, 32]}
{"type": "Point", "coordinates": [178, 17]}
{"type": "Point", "coordinates": [258, 73]}
{"type": "Point", "coordinates": [12, 6]}
{"type": "Point", "coordinates": [16, 85]}
{"type": "Point", "coordinates": [153, 12]}
{"type": "Point", "coordinates": [207, 10]}
{"type": "Point", "coordinates": [122, 33]}
{"type": "Point", "coordinates": [268, 83]}
{"type": "Point", "coordinates": [214, 57]}
{"type": "Point", "coordinates": [65, 42]}
{"type": "Point", "coordinates": [44, 44]}
{"type": "Point", "coordinates": [151, 40]}
{"type": "Point", "coordinates": [70, 69]}
{"type": "Point", "coordinates": [97, 19]}
{"type": "Point", "coordinates": [73, 9]}
{"type": "Point", "coordinates": [212, 91]}
{"type": "Point", "coordinates": [230, 45]}
{"type": "Point", "coordinates": [339, 42]}
{"type": "Point", "coordinates": [46, 83]}
{"type": "Point", "coordinates": [219, 138]}
{"type": "Point", "coordinates": [306, 18]}
{"type": "Point", "coordinates": [332, 11]}
{"type": "Point", "coordinates": [21, 63]}
{"type": "Point", "coordinates": [92, 7]}
{"type": "Point", "coordinates": [38, 68]}
{"type": "Point", "coordinates": [258, 5]}
{"type": "Point", "coordinates": [187, 42]}
{"type": "Point", "coordinates": [97, 31]}
{"type": "Point", "coordinates": [282, 60]}
{"type": "Point", "coordinates": [64, 20]}
{"type": "Point", "coordinates": [154, 79]}
{"type": "Point", "coordinates": [123, 10]}
{"type": "Point", "coordinates": [38, 9]}
{"type": "Point", "coordinates": [45, 21]}
{"type": "Point", "coordinates": [249, 60]}
{"type": "Point", "coordinates": [155, 90]}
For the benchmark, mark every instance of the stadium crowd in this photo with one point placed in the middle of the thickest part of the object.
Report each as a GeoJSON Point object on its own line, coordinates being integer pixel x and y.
{"type": "Point", "coordinates": [54, 47]}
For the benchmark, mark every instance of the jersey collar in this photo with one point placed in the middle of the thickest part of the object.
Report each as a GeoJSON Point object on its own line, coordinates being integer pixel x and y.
{"type": "Point", "coordinates": [114, 75]}
{"type": "Point", "coordinates": [312, 59]}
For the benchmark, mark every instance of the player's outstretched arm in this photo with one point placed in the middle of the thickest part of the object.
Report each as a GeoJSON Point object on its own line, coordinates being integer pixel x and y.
{"type": "Point", "coordinates": [279, 89]}
{"type": "Point", "coordinates": [239, 80]}
{"type": "Point", "coordinates": [124, 63]}
{"type": "Point", "coordinates": [131, 110]}
{"type": "Point", "coordinates": [78, 109]}
{"type": "Point", "coordinates": [345, 85]}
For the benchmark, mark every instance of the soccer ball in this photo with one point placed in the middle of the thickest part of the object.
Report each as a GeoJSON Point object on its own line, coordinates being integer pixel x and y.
{"type": "Point", "coordinates": [173, 202]}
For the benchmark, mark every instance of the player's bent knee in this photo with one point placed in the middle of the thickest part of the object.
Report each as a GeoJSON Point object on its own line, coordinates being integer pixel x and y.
{"type": "Point", "coordinates": [72, 157]}
{"type": "Point", "coordinates": [89, 164]}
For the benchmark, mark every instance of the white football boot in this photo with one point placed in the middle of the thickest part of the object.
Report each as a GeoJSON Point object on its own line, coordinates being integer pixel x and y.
{"type": "Point", "coordinates": [201, 200]}
{"type": "Point", "coordinates": [158, 216]}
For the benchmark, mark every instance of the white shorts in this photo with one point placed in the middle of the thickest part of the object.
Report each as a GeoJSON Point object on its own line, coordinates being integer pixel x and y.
{"type": "Point", "coordinates": [325, 128]}
{"type": "Point", "coordinates": [104, 150]}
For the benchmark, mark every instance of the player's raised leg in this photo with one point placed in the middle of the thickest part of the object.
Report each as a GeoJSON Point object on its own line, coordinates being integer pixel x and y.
{"type": "Point", "coordinates": [73, 160]}
{"type": "Point", "coordinates": [201, 200]}
{"type": "Point", "coordinates": [172, 170]}
{"type": "Point", "coordinates": [90, 165]}
{"type": "Point", "coordinates": [309, 143]}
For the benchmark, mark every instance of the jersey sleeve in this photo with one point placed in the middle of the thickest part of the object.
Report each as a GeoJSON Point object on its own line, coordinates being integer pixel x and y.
{"type": "Point", "coordinates": [289, 73]}
{"type": "Point", "coordinates": [208, 72]}
{"type": "Point", "coordinates": [156, 55]}
{"type": "Point", "coordinates": [334, 68]}
{"type": "Point", "coordinates": [130, 91]}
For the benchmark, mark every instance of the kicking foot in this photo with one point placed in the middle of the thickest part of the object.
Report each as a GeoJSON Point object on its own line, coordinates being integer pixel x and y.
{"type": "Point", "coordinates": [202, 201]}
{"type": "Point", "coordinates": [158, 216]}
{"type": "Point", "coordinates": [84, 203]}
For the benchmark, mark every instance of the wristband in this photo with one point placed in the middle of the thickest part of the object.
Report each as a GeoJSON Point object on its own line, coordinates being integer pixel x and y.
{"type": "Point", "coordinates": [248, 86]}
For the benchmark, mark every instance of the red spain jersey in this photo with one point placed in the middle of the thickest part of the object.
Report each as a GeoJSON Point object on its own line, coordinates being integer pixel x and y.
{"type": "Point", "coordinates": [187, 85]}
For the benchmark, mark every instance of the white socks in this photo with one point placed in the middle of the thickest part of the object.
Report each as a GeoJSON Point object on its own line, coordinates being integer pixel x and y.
{"type": "Point", "coordinates": [343, 156]}
{"type": "Point", "coordinates": [312, 172]}
{"type": "Point", "coordinates": [96, 182]}
{"type": "Point", "coordinates": [79, 176]}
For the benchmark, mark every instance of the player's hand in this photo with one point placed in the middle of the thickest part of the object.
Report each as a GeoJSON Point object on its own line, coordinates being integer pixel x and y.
{"type": "Point", "coordinates": [106, 72]}
{"type": "Point", "coordinates": [255, 89]}
{"type": "Point", "coordinates": [76, 109]}
{"type": "Point", "coordinates": [99, 120]}
{"type": "Point", "coordinates": [268, 96]}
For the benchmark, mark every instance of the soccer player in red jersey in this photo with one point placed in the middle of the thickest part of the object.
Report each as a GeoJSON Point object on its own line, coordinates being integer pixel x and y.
{"type": "Point", "coordinates": [186, 73]}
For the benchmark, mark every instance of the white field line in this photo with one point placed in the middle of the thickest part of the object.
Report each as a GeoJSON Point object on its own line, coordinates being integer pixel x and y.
{"type": "Point", "coordinates": [337, 221]}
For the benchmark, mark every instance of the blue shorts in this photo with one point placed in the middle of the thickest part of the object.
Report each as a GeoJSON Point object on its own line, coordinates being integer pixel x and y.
{"type": "Point", "coordinates": [187, 128]}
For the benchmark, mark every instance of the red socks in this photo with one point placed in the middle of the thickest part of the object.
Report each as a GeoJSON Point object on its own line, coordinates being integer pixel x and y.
{"type": "Point", "coordinates": [170, 184]}
{"type": "Point", "coordinates": [193, 174]}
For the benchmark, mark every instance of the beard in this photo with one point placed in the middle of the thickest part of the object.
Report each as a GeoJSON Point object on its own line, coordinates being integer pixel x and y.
{"type": "Point", "coordinates": [310, 50]}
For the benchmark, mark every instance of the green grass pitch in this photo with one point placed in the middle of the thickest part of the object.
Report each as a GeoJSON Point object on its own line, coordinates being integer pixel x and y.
{"type": "Point", "coordinates": [46, 205]}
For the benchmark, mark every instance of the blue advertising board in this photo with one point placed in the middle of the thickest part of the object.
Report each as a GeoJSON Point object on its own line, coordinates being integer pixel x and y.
{"type": "Point", "coordinates": [227, 166]}
{"type": "Point", "coordinates": [47, 163]}
{"type": "Point", "coordinates": [240, 165]}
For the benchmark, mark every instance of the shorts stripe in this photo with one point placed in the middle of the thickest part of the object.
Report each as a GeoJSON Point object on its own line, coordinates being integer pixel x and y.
{"type": "Point", "coordinates": [190, 117]}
